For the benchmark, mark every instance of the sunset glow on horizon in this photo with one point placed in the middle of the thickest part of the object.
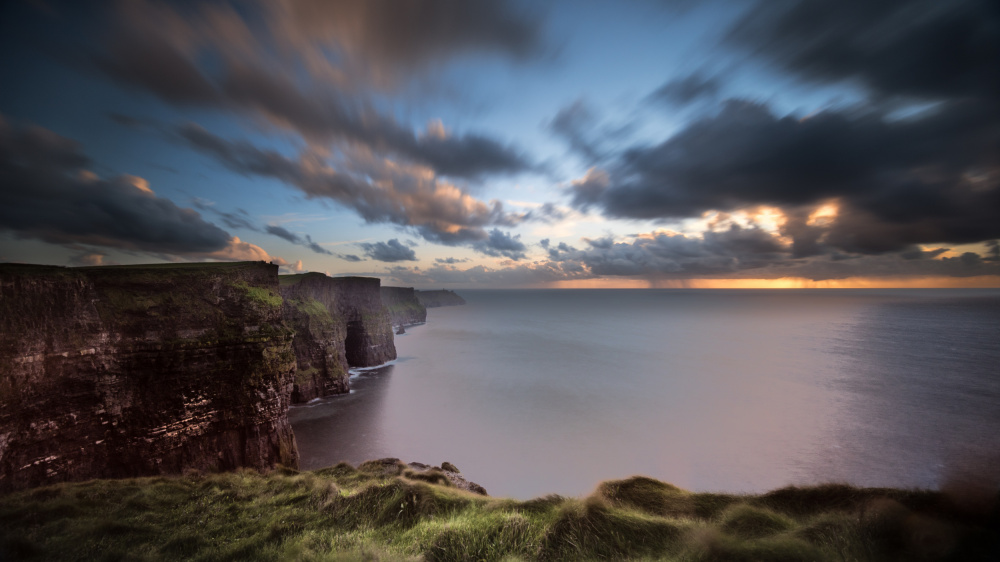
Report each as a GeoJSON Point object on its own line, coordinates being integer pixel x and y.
{"type": "Point", "coordinates": [979, 282]}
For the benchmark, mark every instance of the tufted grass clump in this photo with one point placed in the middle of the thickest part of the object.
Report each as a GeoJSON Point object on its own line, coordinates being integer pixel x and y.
{"type": "Point", "coordinates": [386, 510]}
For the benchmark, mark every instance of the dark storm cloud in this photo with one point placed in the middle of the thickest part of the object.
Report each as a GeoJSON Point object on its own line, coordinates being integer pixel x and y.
{"type": "Point", "coordinates": [150, 62]}
{"type": "Point", "coordinates": [415, 34]}
{"type": "Point", "coordinates": [898, 182]}
{"type": "Point", "coordinates": [45, 194]}
{"type": "Point", "coordinates": [391, 251]}
{"type": "Point", "coordinates": [918, 253]}
{"type": "Point", "coordinates": [993, 252]}
{"type": "Point", "coordinates": [158, 51]}
{"type": "Point", "coordinates": [282, 233]}
{"type": "Point", "coordinates": [932, 176]}
{"type": "Point", "coordinates": [379, 193]}
{"type": "Point", "coordinates": [715, 253]}
{"type": "Point", "coordinates": [689, 89]}
{"type": "Point", "coordinates": [450, 261]}
{"type": "Point", "coordinates": [522, 274]}
{"type": "Point", "coordinates": [242, 219]}
{"type": "Point", "coordinates": [239, 219]}
{"type": "Point", "coordinates": [501, 244]}
{"type": "Point", "coordinates": [316, 247]}
{"type": "Point", "coordinates": [914, 48]}
{"type": "Point", "coordinates": [574, 124]}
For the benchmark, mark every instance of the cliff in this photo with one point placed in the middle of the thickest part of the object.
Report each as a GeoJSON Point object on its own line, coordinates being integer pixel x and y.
{"type": "Point", "coordinates": [404, 308]}
{"type": "Point", "coordinates": [142, 370]}
{"type": "Point", "coordinates": [340, 322]}
{"type": "Point", "coordinates": [443, 297]}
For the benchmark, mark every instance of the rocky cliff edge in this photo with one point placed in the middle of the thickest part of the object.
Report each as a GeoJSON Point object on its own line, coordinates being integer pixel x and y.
{"type": "Point", "coordinates": [142, 370]}
{"type": "Point", "coordinates": [340, 322]}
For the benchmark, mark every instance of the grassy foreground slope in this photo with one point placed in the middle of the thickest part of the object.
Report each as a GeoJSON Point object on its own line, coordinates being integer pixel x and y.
{"type": "Point", "coordinates": [386, 512]}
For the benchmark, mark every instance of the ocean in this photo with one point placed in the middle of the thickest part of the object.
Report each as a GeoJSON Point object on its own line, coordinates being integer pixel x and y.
{"type": "Point", "coordinates": [534, 392]}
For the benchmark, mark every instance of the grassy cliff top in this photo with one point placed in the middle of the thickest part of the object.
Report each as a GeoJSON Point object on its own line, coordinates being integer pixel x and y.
{"type": "Point", "coordinates": [163, 270]}
{"type": "Point", "coordinates": [296, 278]}
{"type": "Point", "coordinates": [381, 512]}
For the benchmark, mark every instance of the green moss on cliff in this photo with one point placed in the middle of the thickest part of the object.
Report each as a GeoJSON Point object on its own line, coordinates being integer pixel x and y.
{"type": "Point", "coordinates": [343, 513]}
{"type": "Point", "coordinates": [260, 295]}
{"type": "Point", "coordinates": [314, 309]}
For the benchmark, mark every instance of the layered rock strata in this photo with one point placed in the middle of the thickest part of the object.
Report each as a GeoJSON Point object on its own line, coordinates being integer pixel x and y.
{"type": "Point", "coordinates": [142, 370]}
{"type": "Point", "coordinates": [404, 307]}
{"type": "Point", "coordinates": [340, 322]}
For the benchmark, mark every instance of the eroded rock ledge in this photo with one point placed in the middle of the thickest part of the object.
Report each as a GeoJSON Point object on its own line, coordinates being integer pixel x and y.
{"type": "Point", "coordinates": [142, 370]}
{"type": "Point", "coordinates": [339, 322]}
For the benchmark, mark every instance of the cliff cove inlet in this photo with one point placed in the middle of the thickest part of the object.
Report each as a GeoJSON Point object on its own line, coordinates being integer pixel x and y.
{"type": "Point", "coordinates": [552, 391]}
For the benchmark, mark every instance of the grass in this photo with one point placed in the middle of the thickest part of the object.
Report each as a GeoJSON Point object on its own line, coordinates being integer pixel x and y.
{"type": "Point", "coordinates": [260, 295]}
{"type": "Point", "coordinates": [384, 511]}
{"type": "Point", "coordinates": [313, 309]}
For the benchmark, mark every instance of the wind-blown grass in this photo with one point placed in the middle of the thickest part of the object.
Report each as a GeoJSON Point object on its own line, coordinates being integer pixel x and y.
{"type": "Point", "coordinates": [382, 511]}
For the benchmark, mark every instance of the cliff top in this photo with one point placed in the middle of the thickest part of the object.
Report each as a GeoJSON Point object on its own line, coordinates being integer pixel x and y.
{"type": "Point", "coordinates": [164, 268]}
{"type": "Point", "coordinates": [440, 297]}
{"type": "Point", "coordinates": [286, 280]}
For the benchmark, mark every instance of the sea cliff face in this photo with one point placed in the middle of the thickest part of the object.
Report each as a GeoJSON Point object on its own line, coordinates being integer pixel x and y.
{"type": "Point", "coordinates": [403, 305]}
{"type": "Point", "coordinates": [340, 322]}
{"type": "Point", "coordinates": [142, 370]}
{"type": "Point", "coordinates": [442, 297]}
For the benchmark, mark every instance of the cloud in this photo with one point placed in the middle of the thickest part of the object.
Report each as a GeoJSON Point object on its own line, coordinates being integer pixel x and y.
{"type": "Point", "coordinates": [898, 174]}
{"type": "Point", "coordinates": [450, 261]}
{"type": "Point", "coordinates": [921, 49]}
{"type": "Point", "coordinates": [993, 252]}
{"type": "Point", "coordinates": [379, 190]}
{"type": "Point", "coordinates": [306, 241]}
{"type": "Point", "coordinates": [238, 250]}
{"type": "Point", "coordinates": [689, 89]}
{"type": "Point", "coordinates": [350, 257]}
{"type": "Point", "coordinates": [932, 178]}
{"type": "Point", "coordinates": [518, 275]}
{"type": "Point", "coordinates": [575, 124]}
{"type": "Point", "coordinates": [156, 49]}
{"type": "Point", "coordinates": [391, 251]}
{"type": "Point", "coordinates": [501, 244]}
{"type": "Point", "coordinates": [87, 259]}
{"type": "Point", "coordinates": [728, 252]}
{"type": "Point", "coordinates": [282, 233]}
{"type": "Point", "coordinates": [391, 40]}
{"type": "Point", "coordinates": [46, 194]}
{"type": "Point", "coordinates": [239, 219]}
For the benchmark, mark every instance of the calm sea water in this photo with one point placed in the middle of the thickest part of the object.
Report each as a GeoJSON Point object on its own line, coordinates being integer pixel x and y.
{"type": "Point", "coordinates": [537, 392]}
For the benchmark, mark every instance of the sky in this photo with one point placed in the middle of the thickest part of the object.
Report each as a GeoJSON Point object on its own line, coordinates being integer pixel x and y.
{"type": "Point", "coordinates": [488, 144]}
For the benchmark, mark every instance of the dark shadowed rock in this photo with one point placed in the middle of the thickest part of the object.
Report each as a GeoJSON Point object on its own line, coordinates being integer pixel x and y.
{"type": "Point", "coordinates": [142, 370]}
{"type": "Point", "coordinates": [340, 322]}
{"type": "Point", "coordinates": [403, 306]}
